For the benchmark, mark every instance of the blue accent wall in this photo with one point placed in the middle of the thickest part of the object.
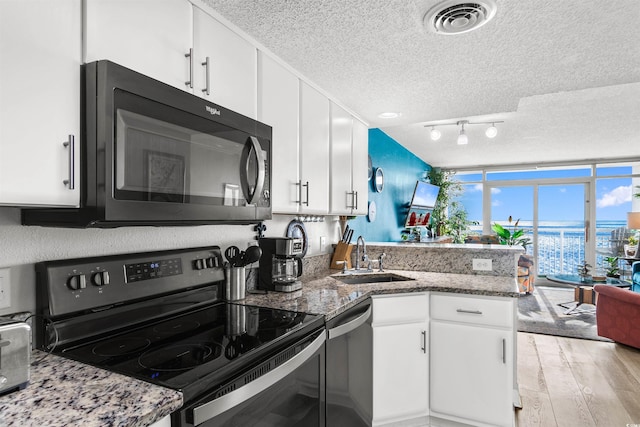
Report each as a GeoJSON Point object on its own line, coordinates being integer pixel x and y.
{"type": "Point", "coordinates": [401, 171]}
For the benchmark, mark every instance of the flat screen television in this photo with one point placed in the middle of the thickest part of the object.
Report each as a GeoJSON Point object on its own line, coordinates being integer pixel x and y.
{"type": "Point", "coordinates": [422, 204]}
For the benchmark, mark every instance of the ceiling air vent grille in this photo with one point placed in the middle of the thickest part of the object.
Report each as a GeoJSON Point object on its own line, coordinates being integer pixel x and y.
{"type": "Point", "coordinates": [453, 17]}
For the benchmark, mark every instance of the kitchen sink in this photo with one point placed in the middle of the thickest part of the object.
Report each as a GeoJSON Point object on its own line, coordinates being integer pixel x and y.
{"type": "Point", "coordinates": [356, 279]}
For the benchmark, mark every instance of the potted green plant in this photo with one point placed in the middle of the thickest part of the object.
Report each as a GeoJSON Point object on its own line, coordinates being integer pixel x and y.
{"type": "Point", "coordinates": [511, 235]}
{"type": "Point", "coordinates": [611, 267]}
{"type": "Point", "coordinates": [631, 249]}
{"type": "Point", "coordinates": [449, 190]}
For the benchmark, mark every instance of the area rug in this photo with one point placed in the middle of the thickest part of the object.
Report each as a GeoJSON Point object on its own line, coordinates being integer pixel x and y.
{"type": "Point", "coordinates": [540, 313]}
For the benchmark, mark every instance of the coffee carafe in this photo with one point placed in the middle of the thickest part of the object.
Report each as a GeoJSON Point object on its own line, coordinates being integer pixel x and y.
{"type": "Point", "coordinates": [280, 264]}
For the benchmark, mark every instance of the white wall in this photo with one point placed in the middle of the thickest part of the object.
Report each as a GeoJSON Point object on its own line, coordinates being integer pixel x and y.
{"type": "Point", "coordinates": [22, 246]}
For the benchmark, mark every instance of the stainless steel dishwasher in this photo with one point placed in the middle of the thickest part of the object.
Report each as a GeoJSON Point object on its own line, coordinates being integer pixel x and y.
{"type": "Point", "coordinates": [349, 367]}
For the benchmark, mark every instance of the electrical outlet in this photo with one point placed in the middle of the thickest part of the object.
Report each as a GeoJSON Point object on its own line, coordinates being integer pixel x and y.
{"type": "Point", "coordinates": [323, 243]}
{"type": "Point", "coordinates": [5, 288]}
{"type": "Point", "coordinates": [482, 264]}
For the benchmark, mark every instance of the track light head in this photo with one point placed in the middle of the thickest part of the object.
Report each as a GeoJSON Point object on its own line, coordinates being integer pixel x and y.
{"type": "Point", "coordinates": [491, 131]}
{"type": "Point", "coordinates": [435, 133]}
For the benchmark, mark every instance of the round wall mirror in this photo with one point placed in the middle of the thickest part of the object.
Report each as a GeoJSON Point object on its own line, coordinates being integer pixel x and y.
{"type": "Point", "coordinates": [379, 180]}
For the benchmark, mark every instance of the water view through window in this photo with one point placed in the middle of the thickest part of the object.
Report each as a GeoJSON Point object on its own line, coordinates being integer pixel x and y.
{"type": "Point", "coordinates": [570, 215]}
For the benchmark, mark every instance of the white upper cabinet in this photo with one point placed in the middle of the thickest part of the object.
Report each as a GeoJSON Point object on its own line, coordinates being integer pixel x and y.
{"type": "Point", "coordinates": [40, 47]}
{"type": "Point", "coordinates": [349, 164]}
{"type": "Point", "coordinates": [360, 166]}
{"type": "Point", "coordinates": [224, 65]}
{"type": "Point", "coordinates": [314, 151]}
{"type": "Point", "coordinates": [278, 107]}
{"type": "Point", "coordinates": [151, 37]}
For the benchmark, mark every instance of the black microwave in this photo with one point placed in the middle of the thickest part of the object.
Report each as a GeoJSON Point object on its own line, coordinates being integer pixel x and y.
{"type": "Point", "coordinates": [152, 154]}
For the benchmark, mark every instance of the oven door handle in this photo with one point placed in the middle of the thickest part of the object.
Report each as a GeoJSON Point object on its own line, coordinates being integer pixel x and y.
{"type": "Point", "coordinates": [349, 326]}
{"type": "Point", "coordinates": [230, 400]}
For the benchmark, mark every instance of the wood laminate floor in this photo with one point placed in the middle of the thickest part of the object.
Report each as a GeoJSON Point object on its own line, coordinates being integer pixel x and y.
{"type": "Point", "coordinates": [573, 382]}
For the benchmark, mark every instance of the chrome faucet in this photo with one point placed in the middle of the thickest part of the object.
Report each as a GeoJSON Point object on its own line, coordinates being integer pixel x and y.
{"type": "Point", "coordinates": [380, 258]}
{"type": "Point", "coordinates": [365, 257]}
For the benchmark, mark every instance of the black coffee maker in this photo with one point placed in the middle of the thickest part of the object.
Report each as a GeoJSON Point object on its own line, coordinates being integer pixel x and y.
{"type": "Point", "coordinates": [280, 264]}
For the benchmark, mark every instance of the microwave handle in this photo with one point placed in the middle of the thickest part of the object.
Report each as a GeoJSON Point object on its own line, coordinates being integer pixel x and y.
{"type": "Point", "coordinates": [252, 143]}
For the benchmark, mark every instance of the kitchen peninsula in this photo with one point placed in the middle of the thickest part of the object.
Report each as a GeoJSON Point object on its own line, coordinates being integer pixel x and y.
{"type": "Point", "coordinates": [493, 293]}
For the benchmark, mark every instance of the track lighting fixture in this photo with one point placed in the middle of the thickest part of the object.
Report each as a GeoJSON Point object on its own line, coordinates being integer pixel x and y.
{"type": "Point", "coordinates": [462, 137]}
{"type": "Point", "coordinates": [490, 132]}
{"type": "Point", "coordinates": [435, 133]}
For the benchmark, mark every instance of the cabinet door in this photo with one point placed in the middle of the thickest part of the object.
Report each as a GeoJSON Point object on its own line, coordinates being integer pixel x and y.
{"type": "Point", "coordinates": [471, 373]}
{"type": "Point", "coordinates": [400, 373]}
{"type": "Point", "coordinates": [342, 197]}
{"type": "Point", "coordinates": [40, 46]}
{"type": "Point", "coordinates": [278, 107]}
{"type": "Point", "coordinates": [360, 166]}
{"type": "Point", "coordinates": [148, 36]}
{"type": "Point", "coordinates": [314, 150]}
{"type": "Point", "coordinates": [232, 65]}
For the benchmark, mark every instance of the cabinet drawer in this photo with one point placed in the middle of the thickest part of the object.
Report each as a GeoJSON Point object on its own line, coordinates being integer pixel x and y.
{"type": "Point", "coordinates": [473, 309]}
{"type": "Point", "coordinates": [407, 308]}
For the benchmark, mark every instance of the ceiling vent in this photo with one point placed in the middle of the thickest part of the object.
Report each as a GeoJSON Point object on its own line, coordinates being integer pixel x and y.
{"type": "Point", "coordinates": [455, 17]}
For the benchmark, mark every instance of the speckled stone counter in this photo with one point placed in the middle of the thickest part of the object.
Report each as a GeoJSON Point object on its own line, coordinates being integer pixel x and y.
{"type": "Point", "coordinates": [329, 296]}
{"type": "Point", "coordinates": [447, 257]}
{"type": "Point", "coordinates": [67, 393]}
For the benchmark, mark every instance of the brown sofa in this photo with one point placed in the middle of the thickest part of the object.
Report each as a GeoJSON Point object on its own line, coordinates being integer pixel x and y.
{"type": "Point", "coordinates": [618, 314]}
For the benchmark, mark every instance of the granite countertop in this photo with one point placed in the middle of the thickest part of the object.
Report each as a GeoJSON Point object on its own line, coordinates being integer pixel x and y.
{"type": "Point", "coordinates": [64, 392]}
{"type": "Point", "coordinates": [329, 296]}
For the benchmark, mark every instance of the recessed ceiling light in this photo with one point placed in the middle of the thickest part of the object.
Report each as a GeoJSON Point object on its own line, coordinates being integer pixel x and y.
{"type": "Point", "coordinates": [389, 115]}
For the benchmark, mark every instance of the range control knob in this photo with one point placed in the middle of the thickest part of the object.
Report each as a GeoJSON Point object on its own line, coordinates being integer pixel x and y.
{"type": "Point", "coordinates": [100, 278]}
{"type": "Point", "coordinates": [77, 281]}
{"type": "Point", "coordinates": [199, 264]}
{"type": "Point", "coordinates": [212, 262]}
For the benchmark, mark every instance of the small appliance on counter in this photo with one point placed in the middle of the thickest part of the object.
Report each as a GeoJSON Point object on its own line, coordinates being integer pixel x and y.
{"type": "Point", "coordinates": [280, 264]}
{"type": "Point", "coordinates": [15, 355]}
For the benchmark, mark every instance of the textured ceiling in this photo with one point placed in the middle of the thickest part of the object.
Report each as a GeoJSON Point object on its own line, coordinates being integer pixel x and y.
{"type": "Point", "coordinates": [564, 75]}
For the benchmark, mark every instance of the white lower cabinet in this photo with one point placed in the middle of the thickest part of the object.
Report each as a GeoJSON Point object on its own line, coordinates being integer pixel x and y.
{"type": "Point", "coordinates": [471, 359]}
{"type": "Point", "coordinates": [442, 359]}
{"type": "Point", "coordinates": [400, 359]}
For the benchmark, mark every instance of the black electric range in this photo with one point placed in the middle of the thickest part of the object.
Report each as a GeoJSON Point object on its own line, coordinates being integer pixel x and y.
{"type": "Point", "coordinates": [160, 317]}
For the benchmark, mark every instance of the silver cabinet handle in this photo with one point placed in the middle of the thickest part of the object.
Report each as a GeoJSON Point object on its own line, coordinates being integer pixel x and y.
{"type": "Point", "coordinates": [349, 326]}
{"type": "Point", "coordinates": [205, 64]}
{"type": "Point", "coordinates": [189, 55]}
{"type": "Point", "coordinates": [354, 200]}
{"type": "Point", "coordinates": [504, 351]}
{"type": "Point", "coordinates": [424, 342]}
{"type": "Point", "coordinates": [215, 407]}
{"type": "Point", "coordinates": [307, 187]}
{"type": "Point", "coordinates": [71, 145]}
{"type": "Point", "coordinates": [299, 185]}
{"type": "Point", "coordinates": [460, 310]}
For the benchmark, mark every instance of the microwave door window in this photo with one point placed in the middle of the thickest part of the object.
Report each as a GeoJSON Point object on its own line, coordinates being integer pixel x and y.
{"type": "Point", "coordinates": [166, 162]}
{"type": "Point", "coordinates": [214, 169]}
{"type": "Point", "coordinates": [152, 159]}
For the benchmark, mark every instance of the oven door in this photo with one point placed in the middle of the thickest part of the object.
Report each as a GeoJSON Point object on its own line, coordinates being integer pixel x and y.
{"type": "Point", "coordinates": [292, 393]}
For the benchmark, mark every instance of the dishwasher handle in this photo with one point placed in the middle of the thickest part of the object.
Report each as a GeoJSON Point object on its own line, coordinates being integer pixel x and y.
{"type": "Point", "coordinates": [230, 400]}
{"type": "Point", "coordinates": [345, 328]}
